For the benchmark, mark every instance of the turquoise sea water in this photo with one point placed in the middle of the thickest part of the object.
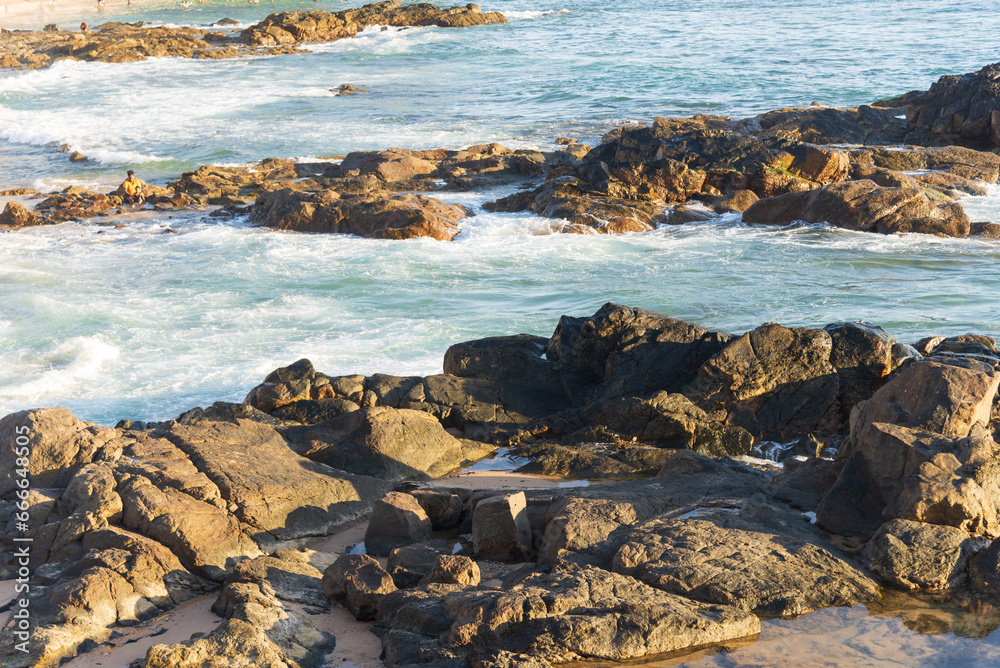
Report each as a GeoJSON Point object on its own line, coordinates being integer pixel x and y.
{"type": "Point", "coordinates": [138, 323]}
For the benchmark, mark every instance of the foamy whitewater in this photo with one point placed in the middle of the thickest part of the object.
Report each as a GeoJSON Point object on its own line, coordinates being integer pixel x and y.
{"type": "Point", "coordinates": [173, 311]}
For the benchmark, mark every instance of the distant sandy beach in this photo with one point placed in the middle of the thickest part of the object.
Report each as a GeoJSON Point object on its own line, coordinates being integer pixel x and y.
{"type": "Point", "coordinates": [18, 14]}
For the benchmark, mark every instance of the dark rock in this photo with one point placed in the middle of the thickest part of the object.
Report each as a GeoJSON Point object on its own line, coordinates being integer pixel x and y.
{"type": "Point", "coordinates": [453, 569]}
{"type": "Point", "coordinates": [960, 109]}
{"type": "Point", "coordinates": [862, 356]}
{"type": "Point", "coordinates": [307, 411]}
{"type": "Point", "coordinates": [387, 443]}
{"type": "Point", "coordinates": [500, 529]}
{"type": "Point", "coordinates": [397, 520]}
{"type": "Point", "coordinates": [863, 206]}
{"type": "Point", "coordinates": [445, 509]}
{"type": "Point", "coordinates": [622, 351]}
{"type": "Point", "coordinates": [359, 582]}
{"type": "Point", "coordinates": [984, 570]}
{"type": "Point", "coordinates": [409, 564]}
{"type": "Point", "coordinates": [853, 506]}
{"type": "Point", "coordinates": [775, 382]}
{"type": "Point", "coordinates": [913, 555]}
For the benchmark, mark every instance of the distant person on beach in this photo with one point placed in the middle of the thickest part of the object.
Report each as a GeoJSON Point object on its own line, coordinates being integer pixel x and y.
{"type": "Point", "coordinates": [84, 27]}
{"type": "Point", "coordinates": [100, 4]}
{"type": "Point", "coordinates": [131, 190]}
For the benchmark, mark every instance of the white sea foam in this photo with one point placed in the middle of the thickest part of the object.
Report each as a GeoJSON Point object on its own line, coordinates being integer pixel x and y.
{"type": "Point", "coordinates": [534, 14]}
{"type": "Point", "coordinates": [57, 369]}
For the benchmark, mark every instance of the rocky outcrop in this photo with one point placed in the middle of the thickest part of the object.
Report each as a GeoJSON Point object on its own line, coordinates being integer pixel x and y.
{"type": "Point", "coordinates": [383, 442]}
{"type": "Point", "coordinates": [863, 206]}
{"type": "Point", "coordinates": [276, 34]}
{"type": "Point", "coordinates": [397, 520]}
{"type": "Point", "coordinates": [622, 184]}
{"type": "Point", "coordinates": [375, 215]}
{"type": "Point", "coordinates": [126, 524]}
{"type": "Point", "coordinates": [558, 617]}
{"type": "Point", "coordinates": [320, 26]}
{"type": "Point", "coordinates": [260, 628]}
{"type": "Point", "coordinates": [16, 215]}
{"type": "Point", "coordinates": [136, 519]}
{"type": "Point", "coordinates": [961, 109]}
{"type": "Point", "coordinates": [920, 456]}
{"type": "Point", "coordinates": [703, 533]}
{"type": "Point", "coordinates": [623, 375]}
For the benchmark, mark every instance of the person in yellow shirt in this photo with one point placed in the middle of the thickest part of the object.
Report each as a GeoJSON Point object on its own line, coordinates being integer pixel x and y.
{"type": "Point", "coordinates": [131, 190]}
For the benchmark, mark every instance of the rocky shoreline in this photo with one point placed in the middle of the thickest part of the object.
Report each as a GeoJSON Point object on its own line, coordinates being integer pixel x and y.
{"type": "Point", "coordinates": [897, 166]}
{"type": "Point", "coordinates": [275, 35]}
{"type": "Point", "coordinates": [889, 482]}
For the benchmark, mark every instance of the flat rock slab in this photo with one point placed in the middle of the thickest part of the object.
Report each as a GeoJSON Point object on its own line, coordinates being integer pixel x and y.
{"type": "Point", "coordinates": [776, 567]}
{"type": "Point", "coordinates": [565, 616]}
{"type": "Point", "coordinates": [276, 492]}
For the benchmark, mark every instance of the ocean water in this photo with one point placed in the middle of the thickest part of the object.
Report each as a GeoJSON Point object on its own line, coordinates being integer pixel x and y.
{"type": "Point", "coordinates": [159, 313]}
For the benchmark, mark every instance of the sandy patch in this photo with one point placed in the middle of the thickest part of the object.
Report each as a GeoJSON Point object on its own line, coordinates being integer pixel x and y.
{"type": "Point", "coordinates": [356, 646]}
{"type": "Point", "coordinates": [497, 480]}
{"type": "Point", "coordinates": [194, 616]}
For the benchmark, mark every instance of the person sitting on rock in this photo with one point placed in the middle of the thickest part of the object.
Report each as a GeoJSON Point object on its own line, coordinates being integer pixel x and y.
{"type": "Point", "coordinates": [84, 27]}
{"type": "Point", "coordinates": [131, 190]}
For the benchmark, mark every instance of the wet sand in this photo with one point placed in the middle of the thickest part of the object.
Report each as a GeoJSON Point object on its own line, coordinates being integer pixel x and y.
{"type": "Point", "coordinates": [194, 616]}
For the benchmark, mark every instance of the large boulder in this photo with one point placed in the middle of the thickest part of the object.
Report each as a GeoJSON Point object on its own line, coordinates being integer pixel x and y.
{"type": "Point", "coordinates": [397, 520]}
{"type": "Point", "coordinates": [623, 351]}
{"type": "Point", "coordinates": [961, 109]}
{"type": "Point", "coordinates": [515, 367]}
{"type": "Point", "coordinates": [50, 444]}
{"type": "Point", "coordinates": [918, 449]}
{"type": "Point", "coordinates": [500, 528]}
{"type": "Point", "coordinates": [376, 215]}
{"type": "Point", "coordinates": [914, 555]}
{"type": "Point", "coordinates": [776, 382]}
{"type": "Point", "coordinates": [16, 214]}
{"type": "Point", "coordinates": [932, 396]}
{"type": "Point", "coordinates": [359, 582]}
{"type": "Point", "coordinates": [276, 493]}
{"type": "Point", "coordinates": [863, 206]}
{"type": "Point", "coordinates": [387, 443]}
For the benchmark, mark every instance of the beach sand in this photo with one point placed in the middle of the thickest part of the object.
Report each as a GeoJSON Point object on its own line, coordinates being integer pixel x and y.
{"type": "Point", "coordinates": [22, 15]}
